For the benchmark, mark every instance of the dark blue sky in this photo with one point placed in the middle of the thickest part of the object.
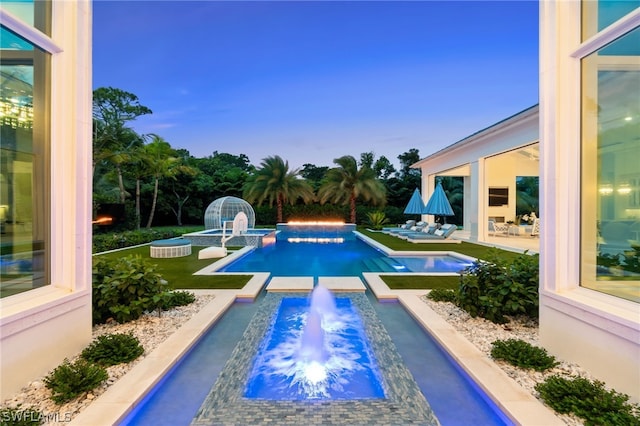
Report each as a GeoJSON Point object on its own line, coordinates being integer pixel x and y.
{"type": "Point", "coordinates": [312, 81]}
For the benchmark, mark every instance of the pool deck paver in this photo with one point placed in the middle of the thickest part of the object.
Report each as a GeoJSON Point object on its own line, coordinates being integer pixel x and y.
{"type": "Point", "coordinates": [113, 405]}
{"type": "Point", "coordinates": [341, 284]}
{"type": "Point", "coordinates": [287, 284]}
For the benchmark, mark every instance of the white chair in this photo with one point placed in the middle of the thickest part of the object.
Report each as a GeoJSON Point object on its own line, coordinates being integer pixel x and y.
{"type": "Point", "coordinates": [535, 229]}
{"type": "Point", "coordinates": [498, 228]}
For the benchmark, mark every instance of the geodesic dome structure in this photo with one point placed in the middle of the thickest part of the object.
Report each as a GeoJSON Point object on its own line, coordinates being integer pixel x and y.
{"type": "Point", "coordinates": [225, 209]}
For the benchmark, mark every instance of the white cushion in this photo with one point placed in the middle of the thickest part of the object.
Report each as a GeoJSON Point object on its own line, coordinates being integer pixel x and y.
{"type": "Point", "coordinates": [212, 252]}
{"type": "Point", "coordinates": [439, 232]}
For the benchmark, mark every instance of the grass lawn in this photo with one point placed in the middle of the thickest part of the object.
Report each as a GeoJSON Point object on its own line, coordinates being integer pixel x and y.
{"type": "Point", "coordinates": [178, 271]}
{"type": "Point", "coordinates": [427, 283]}
{"type": "Point", "coordinates": [408, 282]}
{"type": "Point", "coordinates": [474, 250]}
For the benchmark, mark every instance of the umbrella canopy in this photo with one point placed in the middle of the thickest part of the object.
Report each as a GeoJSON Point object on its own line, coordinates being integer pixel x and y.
{"type": "Point", "coordinates": [438, 204]}
{"type": "Point", "coordinates": [415, 205]}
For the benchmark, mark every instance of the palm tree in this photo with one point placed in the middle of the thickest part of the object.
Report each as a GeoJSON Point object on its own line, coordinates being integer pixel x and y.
{"type": "Point", "coordinates": [273, 181]}
{"type": "Point", "coordinates": [345, 184]}
{"type": "Point", "coordinates": [161, 163]}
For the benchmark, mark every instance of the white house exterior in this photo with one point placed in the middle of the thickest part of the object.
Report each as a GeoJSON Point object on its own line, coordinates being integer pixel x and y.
{"type": "Point", "coordinates": [590, 184]}
{"type": "Point", "coordinates": [491, 158]}
{"type": "Point", "coordinates": [45, 190]}
{"type": "Point", "coordinates": [583, 141]}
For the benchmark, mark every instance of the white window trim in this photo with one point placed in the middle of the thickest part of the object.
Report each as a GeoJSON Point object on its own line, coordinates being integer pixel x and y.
{"type": "Point", "coordinates": [29, 33]}
{"type": "Point", "coordinates": [607, 35]}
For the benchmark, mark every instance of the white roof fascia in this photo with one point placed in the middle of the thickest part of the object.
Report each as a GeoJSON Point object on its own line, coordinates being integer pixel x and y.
{"type": "Point", "coordinates": [484, 143]}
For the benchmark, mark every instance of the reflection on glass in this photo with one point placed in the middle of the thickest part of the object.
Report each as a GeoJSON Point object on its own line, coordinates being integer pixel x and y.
{"type": "Point", "coordinates": [23, 137]}
{"type": "Point", "coordinates": [34, 13]}
{"type": "Point", "coordinates": [611, 175]}
{"type": "Point", "coordinates": [599, 14]}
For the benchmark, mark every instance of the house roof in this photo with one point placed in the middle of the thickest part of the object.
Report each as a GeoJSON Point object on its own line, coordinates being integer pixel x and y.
{"type": "Point", "coordinates": [500, 125]}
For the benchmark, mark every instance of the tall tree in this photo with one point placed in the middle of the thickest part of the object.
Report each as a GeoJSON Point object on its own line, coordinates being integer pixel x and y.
{"type": "Point", "coordinates": [112, 110]}
{"type": "Point", "coordinates": [346, 183]}
{"type": "Point", "coordinates": [161, 163]}
{"type": "Point", "coordinates": [273, 181]}
{"type": "Point", "coordinates": [313, 174]}
{"type": "Point", "coordinates": [381, 166]}
{"type": "Point", "coordinates": [406, 160]}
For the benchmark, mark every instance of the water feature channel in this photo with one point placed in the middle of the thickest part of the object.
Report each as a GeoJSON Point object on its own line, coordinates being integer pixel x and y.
{"type": "Point", "coordinates": [313, 360]}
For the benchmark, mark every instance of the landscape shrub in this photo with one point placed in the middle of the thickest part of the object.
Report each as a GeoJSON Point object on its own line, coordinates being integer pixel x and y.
{"type": "Point", "coordinates": [177, 298]}
{"type": "Point", "coordinates": [68, 380]}
{"type": "Point", "coordinates": [589, 401]}
{"type": "Point", "coordinates": [125, 288]}
{"type": "Point", "coordinates": [377, 219]}
{"type": "Point", "coordinates": [442, 295]}
{"type": "Point", "coordinates": [112, 349]}
{"type": "Point", "coordinates": [494, 288]}
{"type": "Point", "coordinates": [522, 354]}
{"type": "Point", "coordinates": [118, 240]}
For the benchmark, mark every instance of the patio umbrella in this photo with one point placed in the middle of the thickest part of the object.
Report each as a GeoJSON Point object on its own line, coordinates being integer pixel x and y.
{"type": "Point", "coordinates": [415, 205]}
{"type": "Point", "coordinates": [438, 204]}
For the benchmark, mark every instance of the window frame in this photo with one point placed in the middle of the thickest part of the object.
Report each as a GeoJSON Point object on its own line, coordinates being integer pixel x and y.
{"type": "Point", "coordinates": [588, 242]}
{"type": "Point", "coordinates": [43, 45]}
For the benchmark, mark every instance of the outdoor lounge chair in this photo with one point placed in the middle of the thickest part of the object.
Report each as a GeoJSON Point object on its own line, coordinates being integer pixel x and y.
{"type": "Point", "coordinates": [418, 227]}
{"type": "Point", "coordinates": [408, 224]}
{"type": "Point", "coordinates": [498, 228]}
{"type": "Point", "coordinates": [426, 230]}
{"type": "Point", "coordinates": [441, 234]}
{"type": "Point", "coordinates": [413, 228]}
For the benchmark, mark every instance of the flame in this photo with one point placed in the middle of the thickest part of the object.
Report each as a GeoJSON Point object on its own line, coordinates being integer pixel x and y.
{"type": "Point", "coordinates": [103, 220]}
{"type": "Point", "coordinates": [316, 223]}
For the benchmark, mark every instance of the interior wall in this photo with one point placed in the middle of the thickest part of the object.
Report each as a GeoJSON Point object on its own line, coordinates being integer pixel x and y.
{"type": "Point", "coordinates": [501, 171]}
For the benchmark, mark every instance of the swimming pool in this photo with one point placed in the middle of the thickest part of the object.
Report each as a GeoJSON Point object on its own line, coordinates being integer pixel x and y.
{"type": "Point", "coordinates": [213, 237]}
{"type": "Point", "coordinates": [207, 385]}
{"type": "Point", "coordinates": [335, 253]}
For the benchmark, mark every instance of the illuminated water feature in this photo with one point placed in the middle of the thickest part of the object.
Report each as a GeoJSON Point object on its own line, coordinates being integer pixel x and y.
{"type": "Point", "coordinates": [419, 380]}
{"type": "Point", "coordinates": [315, 349]}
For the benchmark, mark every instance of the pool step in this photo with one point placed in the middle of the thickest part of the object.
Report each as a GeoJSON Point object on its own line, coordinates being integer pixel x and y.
{"type": "Point", "coordinates": [380, 264]}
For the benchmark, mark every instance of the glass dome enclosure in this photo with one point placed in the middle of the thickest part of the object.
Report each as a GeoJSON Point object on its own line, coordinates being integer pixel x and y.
{"type": "Point", "coordinates": [225, 209]}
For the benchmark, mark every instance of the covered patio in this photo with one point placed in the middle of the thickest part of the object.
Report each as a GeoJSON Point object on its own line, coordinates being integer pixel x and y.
{"type": "Point", "coordinates": [499, 166]}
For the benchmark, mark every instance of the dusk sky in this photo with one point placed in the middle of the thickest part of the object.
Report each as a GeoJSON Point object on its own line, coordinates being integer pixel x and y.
{"type": "Point", "coordinates": [313, 81]}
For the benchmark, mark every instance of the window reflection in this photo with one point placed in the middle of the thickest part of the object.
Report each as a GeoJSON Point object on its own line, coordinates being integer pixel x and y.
{"type": "Point", "coordinates": [36, 13]}
{"type": "Point", "coordinates": [598, 15]}
{"type": "Point", "coordinates": [611, 175]}
{"type": "Point", "coordinates": [24, 106]}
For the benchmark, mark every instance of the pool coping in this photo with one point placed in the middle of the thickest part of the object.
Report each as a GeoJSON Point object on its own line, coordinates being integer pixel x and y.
{"type": "Point", "coordinates": [116, 402]}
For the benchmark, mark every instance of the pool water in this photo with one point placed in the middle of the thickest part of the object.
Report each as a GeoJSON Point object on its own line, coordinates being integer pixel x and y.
{"type": "Point", "coordinates": [212, 374]}
{"type": "Point", "coordinates": [283, 371]}
{"type": "Point", "coordinates": [421, 383]}
{"type": "Point", "coordinates": [335, 256]}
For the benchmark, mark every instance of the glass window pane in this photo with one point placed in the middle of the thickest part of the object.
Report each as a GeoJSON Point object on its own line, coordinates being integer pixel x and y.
{"type": "Point", "coordinates": [24, 136]}
{"type": "Point", "coordinates": [611, 171]}
{"type": "Point", "coordinates": [36, 13]}
{"type": "Point", "coordinates": [599, 14]}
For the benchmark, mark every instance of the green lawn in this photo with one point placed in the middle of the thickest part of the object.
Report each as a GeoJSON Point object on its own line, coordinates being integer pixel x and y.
{"type": "Point", "coordinates": [430, 282]}
{"type": "Point", "coordinates": [474, 250]}
{"type": "Point", "coordinates": [178, 271]}
{"type": "Point", "coordinates": [409, 282]}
